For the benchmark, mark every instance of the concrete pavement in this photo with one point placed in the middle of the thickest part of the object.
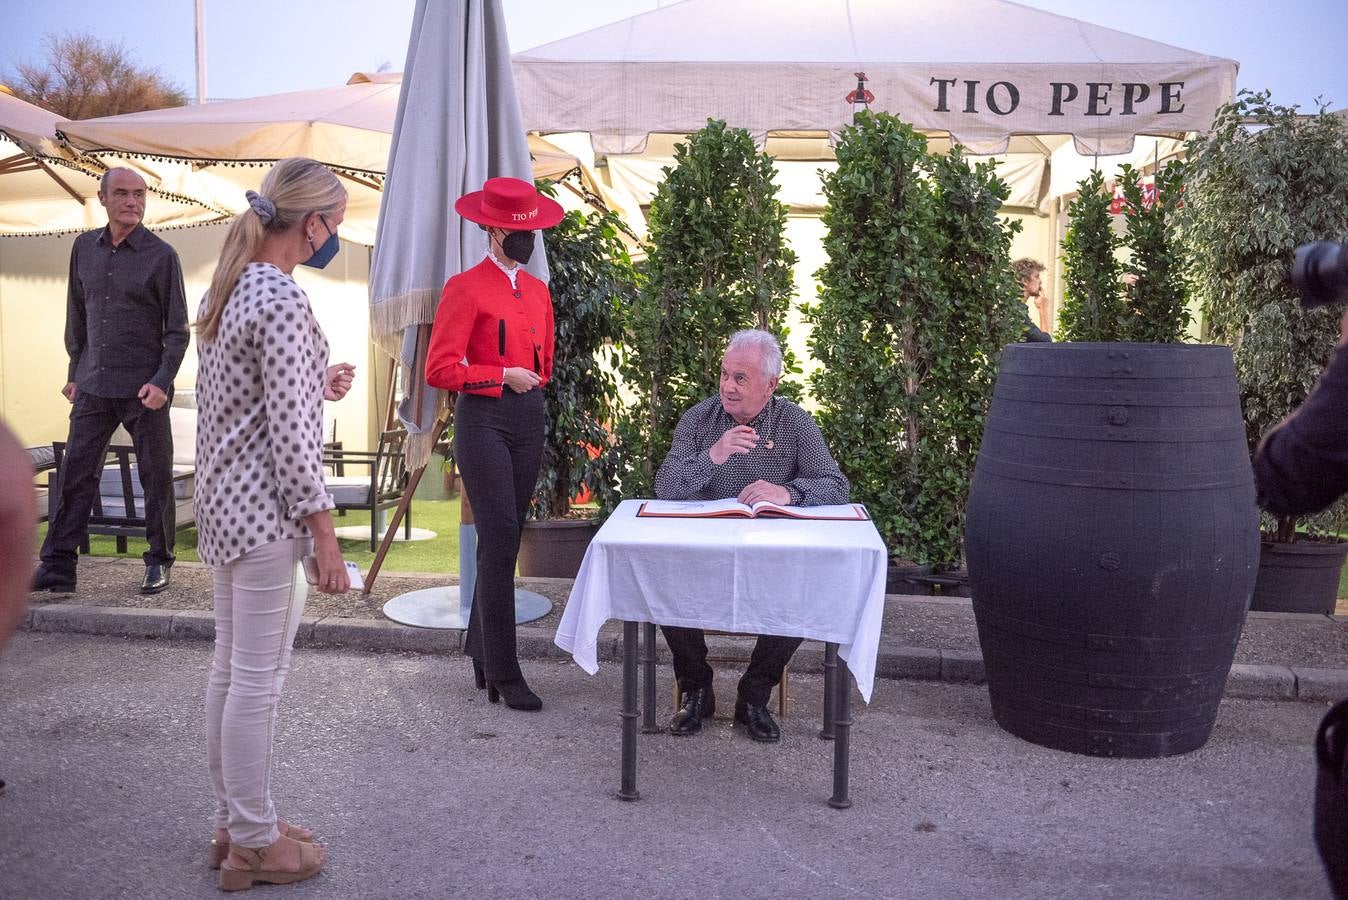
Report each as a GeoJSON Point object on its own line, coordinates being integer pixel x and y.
{"type": "Point", "coordinates": [422, 789]}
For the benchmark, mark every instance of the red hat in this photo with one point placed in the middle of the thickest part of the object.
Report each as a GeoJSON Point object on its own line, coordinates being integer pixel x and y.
{"type": "Point", "coordinates": [509, 203]}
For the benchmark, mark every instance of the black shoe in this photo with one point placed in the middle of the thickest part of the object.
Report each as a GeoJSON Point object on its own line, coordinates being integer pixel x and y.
{"type": "Point", "coordinates": [516, 693]}
{"type": "Point", "coordinates": [156, 579]}
{"type": "Point", "coordinates": [45, 579]}
{"type": "Point", "coordinates": [698, 704]}
{"type": "Point", "coordinates": [758, 722]}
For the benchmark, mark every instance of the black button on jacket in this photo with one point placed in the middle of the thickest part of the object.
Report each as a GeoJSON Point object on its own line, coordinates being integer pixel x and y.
{"type": "Point", "coordinates": [126, 313]}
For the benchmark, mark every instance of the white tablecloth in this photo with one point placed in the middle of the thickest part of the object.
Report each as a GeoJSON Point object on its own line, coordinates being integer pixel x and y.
{"type": "Point", "coordinates": [813, 579]}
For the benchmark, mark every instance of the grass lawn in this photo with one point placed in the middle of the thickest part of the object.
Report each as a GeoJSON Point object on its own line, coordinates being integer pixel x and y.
{"type": "Point", "coordinates": [438, 555]}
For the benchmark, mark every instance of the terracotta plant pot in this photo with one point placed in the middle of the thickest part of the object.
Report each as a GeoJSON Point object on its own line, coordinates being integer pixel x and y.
{"type": "Point", "coordinates": [1298, 577]}
{"type": "Point", "coordinates": [554, 548]}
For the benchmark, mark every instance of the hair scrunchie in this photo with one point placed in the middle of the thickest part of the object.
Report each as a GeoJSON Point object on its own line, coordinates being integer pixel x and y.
{"type": "Point", "coordinates": [265, 209]}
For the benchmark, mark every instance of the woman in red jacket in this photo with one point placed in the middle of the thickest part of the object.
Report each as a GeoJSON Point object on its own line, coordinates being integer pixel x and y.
{"type": "Point", "coordinates": [492, 343]}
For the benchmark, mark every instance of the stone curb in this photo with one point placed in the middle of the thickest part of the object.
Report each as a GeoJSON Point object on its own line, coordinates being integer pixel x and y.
{"type": "Point", "coordinates": [1251, 682]}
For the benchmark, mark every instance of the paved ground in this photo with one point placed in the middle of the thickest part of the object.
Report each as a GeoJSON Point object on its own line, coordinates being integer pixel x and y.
{"type": "Point", "coordinates": [424, 790]}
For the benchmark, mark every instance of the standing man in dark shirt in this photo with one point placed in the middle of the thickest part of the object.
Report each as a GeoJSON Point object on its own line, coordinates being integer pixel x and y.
{"type": "Point", "coordinates": [751, 445]}
{"type": "Point", "coordinates": [126, 333]}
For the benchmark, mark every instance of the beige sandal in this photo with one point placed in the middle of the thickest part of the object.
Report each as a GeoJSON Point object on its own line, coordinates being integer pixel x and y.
{"type": "Point", "coordinates": [219, 851]}
{"type": "Point", "coordinates": [232, 879]}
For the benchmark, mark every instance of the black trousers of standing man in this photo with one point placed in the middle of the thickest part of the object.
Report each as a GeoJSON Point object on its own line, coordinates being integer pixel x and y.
{"type": "Point", "coordinates": [93, 420]}
{"type": "Point", "coordinates": [498, 448]}
{"type": "Point", "coordinates": [771, 654]}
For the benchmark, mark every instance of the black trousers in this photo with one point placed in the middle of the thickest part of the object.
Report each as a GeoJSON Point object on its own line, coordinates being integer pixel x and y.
{"type": "Point", "coordinates": [93, 419]}
{"type": "Point", "coordinates": [498, 448]}
{"type": "Point", "coordinates": [769, 659]}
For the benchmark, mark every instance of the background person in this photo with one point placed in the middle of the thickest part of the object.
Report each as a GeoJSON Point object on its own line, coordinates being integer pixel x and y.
{"type": "Point", "coordinates": [126, 333]}
{"type": "Point", "coordinates": [262, 505]}
{"type": "Point", "coordinates": [493, 342]}
{"type": "Point", "coordinates": [1301, 467]}
{"type": "Point", "coordinates": [748, 444]}
{"type": "Point", "coordinates": [18, 523]}
{"type": "Point", "coordinates": [1029, 272]}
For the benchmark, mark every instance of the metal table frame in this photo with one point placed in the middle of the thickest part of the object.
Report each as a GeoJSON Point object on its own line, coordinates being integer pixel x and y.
{"type": "Point", "coordinates": [837, 719]}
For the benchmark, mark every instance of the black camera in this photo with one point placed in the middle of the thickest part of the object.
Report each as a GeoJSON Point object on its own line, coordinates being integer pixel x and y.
{"type": "Point", "coordinates": [1320, 273]}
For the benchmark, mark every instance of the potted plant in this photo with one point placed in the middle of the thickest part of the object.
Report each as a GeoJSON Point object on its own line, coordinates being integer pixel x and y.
{"type": "Point", "coordinates": [1264, 180]}
{"type": "Point", "coordinates": [915, 303]}
{"type": "Point", "coordinates": [718, 263]}
{"type": "Point", "coordinates": [591, 279]}
{"type": "Point", "coordinates": [1112, 533]}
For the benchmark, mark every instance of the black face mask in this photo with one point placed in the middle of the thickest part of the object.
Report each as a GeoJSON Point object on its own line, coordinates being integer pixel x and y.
{"type": "Point", "coordinates": [519, 246]}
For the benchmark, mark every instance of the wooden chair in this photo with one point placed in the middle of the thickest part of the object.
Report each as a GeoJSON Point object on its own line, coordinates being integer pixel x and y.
{"type": "Point", "coordinates": [119, 503]}
{"type": "Point", "coordinates": [381, 489]}
{"type": "Point", "coordinates": [782, 686]}
{"type": "Point", "coordinates": [43, 459]}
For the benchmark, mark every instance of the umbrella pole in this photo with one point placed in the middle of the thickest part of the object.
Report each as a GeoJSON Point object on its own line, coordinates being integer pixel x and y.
{"type": "Point", "coordinates": [419, 370]}
{"type": "Point", "coordinates": [390, 416]}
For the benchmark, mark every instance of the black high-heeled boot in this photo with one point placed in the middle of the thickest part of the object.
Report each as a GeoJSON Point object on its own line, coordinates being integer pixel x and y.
{"type": "Point", "coordinates": [516, 693]}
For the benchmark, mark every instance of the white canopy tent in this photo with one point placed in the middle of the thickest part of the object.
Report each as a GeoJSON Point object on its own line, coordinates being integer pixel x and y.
{"type": "Point", "coordinates": [981, 71]}
{"type": "Point", "coordinates": [1049, 96]}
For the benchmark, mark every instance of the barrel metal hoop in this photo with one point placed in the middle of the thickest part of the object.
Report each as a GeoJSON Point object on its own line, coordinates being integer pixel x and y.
{"type": "Point", "coordinates": [1216, 434]}
{"type": "Point", "coordinates": [1224, 399]}
{"type": "Point", "coordinates": [1117, 481]}
{"type": "Point", "coordinates": [1094, 641]}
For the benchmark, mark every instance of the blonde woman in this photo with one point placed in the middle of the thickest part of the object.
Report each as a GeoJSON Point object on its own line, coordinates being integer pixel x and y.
{"type": "Point", "coordinates": [261, 503]}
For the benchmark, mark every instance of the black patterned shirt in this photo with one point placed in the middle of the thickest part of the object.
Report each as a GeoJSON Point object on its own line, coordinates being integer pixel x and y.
{"type": "Point", "coordinates": [259, 418]}
{"type": "Point", "coordinates": [126, 316]}
{"type": "Point", "coordinates": [790, 452]}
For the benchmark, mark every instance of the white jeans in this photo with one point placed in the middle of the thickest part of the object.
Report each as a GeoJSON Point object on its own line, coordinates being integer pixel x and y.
{"type": "Point", "coordinates": [259, 598]}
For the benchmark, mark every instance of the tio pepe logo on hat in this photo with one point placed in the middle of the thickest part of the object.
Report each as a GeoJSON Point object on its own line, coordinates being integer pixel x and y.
{"type": "Point", "coordinates": [509, 203]}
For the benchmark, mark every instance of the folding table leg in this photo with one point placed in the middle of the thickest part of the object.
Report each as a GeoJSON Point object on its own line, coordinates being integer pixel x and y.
{"type": "Point", "coordinates": [648, 725]}
{"type": "Point", "coordinates": [628, 791]}
{"type": "Point", "coordinates": [830, 676]}
{"type": "Point", "coordinates": [842, 724]}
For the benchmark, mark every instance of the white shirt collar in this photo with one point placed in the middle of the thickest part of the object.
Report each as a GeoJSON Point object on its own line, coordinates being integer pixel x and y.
{"type": "Point", "coordinates": [511, 272]}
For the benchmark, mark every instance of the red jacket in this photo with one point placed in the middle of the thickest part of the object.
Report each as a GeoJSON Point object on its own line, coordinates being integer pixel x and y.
{"type": "Point", "coordinates": [482, 327]}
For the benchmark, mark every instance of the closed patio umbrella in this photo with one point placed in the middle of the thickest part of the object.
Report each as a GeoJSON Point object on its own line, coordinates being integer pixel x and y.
{"type": "Point", "coordinates": [458, 123]}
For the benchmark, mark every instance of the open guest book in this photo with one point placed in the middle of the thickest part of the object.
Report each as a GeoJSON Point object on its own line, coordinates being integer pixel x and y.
{"type": "Point", "coordinates": [732, 508]}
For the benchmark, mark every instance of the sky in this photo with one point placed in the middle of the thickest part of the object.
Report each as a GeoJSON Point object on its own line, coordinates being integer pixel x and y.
{"type": "Point", "coordinates": [256, 47]}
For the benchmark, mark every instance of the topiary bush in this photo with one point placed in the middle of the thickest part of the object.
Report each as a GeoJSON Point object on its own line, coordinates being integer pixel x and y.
{"type": "Point", "coordinates": [718, 263]}
{"type": "Point", "coordinates": [915, 303]}
{"type": "Point", "coordinates": [1264, 180]}
{"type": "Point", "coordinates": [1156, 295]}
{"type": "Point", "coordinates": [1092, 308]}
{"type": "Point", "coordinates": [592, 281]}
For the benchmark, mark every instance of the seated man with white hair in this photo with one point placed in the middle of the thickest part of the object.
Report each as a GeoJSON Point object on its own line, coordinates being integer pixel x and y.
{"type": "Point", "coordinates": [748, 444]}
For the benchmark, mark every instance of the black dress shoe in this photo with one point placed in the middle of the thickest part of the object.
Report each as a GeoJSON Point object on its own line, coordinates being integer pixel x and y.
{"type": "Point", "coordinates": [45, 579]}
{"type": "Point", "coordinates": [156, 579]}
{"type": "Point", "coordinates": [698, 704]}
{"type": "Point", "coordinates": [758, 722]}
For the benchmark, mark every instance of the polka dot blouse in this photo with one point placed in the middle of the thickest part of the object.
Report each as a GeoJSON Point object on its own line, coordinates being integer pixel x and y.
{"type": "Point", "coordinates": [259, 418]}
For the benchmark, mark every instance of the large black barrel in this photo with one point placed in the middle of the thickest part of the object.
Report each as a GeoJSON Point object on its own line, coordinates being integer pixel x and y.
{"type": "Point", "coordinates": [1112, 542]}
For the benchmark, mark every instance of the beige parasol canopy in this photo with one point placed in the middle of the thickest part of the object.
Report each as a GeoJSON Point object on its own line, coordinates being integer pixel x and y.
{"type": "Point", "coordinates": [214, 151]}
{"type": "Point", "coordinates": [46, 188]}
